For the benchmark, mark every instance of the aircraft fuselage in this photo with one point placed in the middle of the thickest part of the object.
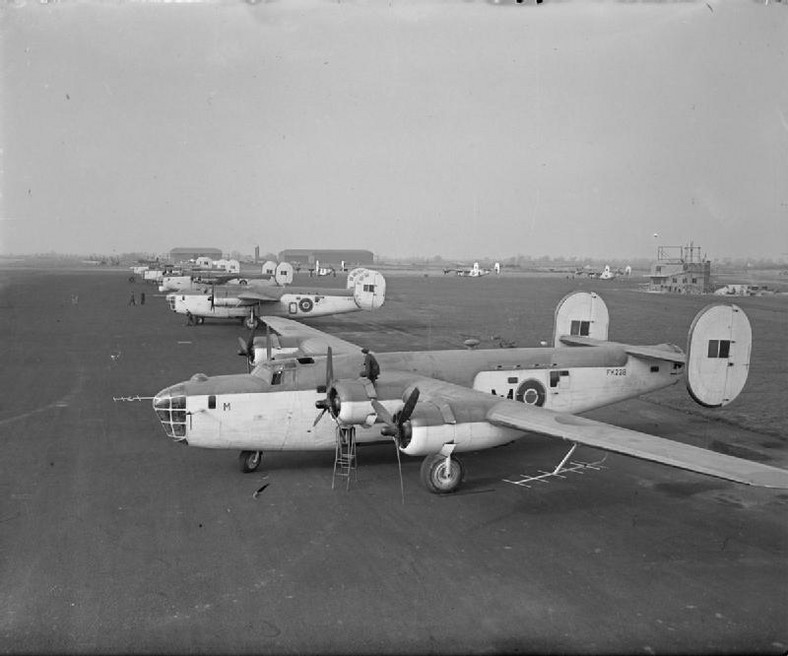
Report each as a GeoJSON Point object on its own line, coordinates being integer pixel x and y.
{"type": "Point", "coordinates": [274, 407]}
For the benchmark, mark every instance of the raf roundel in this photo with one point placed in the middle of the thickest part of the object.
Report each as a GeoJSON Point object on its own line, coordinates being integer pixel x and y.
{"type": "Point", "coordinates": [531, 392]}
{"type": "Point", "coordinates": [305, 304]}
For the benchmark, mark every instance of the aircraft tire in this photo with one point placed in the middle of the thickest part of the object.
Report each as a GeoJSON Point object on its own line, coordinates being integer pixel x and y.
{"type": "Point", "coordinates": [200, 321]}
{"type": "Point", "coordinates": [251, 323]}
{"type": "Point", "coordinates": [433, 478]}
{"type": "Point", "coordinates": [250, 461]}
{"type": "Point", "coordinates": [243, 281]}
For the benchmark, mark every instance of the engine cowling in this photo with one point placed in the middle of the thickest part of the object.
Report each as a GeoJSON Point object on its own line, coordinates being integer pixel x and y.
{"type": "Point", "coordinates": [427, 431]}
{"type": "Point", "coordinates": [350, 403]}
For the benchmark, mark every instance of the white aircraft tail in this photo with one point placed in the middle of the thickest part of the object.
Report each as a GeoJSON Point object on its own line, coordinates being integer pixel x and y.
{"type": "Point", "coordinates": [283, 274]}
{"type": "Point", "coordinates": [369, 290]}
{"type": "Point", "coordinates": [353, 275]}
{"type": "Point", "coordinates": [718, 354]}
{"type": "Point", "coordinates": [269, 268]}
{"type": "Point", "coordinates": [581, 314]}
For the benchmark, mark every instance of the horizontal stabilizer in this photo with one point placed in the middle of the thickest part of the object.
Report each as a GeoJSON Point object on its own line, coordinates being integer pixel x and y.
{"type": "Point", "coordinates": [667, 352]}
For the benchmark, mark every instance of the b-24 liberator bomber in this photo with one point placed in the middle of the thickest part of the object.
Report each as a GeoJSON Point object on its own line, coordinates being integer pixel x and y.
{"type": "Point", "coordinates": [199, 280]}
{"type": "Point", "coordinates": [436, 404]}
{"type": "Point", "coordinates": [365, 290]}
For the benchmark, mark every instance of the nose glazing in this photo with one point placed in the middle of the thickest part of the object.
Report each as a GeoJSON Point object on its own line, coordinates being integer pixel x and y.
{"type": "Point", "coordinates": [170, 408]}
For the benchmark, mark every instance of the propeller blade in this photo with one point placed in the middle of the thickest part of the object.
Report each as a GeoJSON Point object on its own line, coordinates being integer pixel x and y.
{"type": "Point", "coordinates": [399, 467]}
{"type": "Point", "coordinates": [324, 404]}
{"type": "Point", "coordinates": [250, 343]}
{"type": "Point", "coordinates": [329, 369]}
{"type": "Point", "coordinates": [385, 415]}
{"type": "Point", "coordinates": [319, 416]}
{"type": "Point", "coordinates": [267, 342]}
{"type": "Point", "coordinates": [244, 350]}
{"type": "Point", "coordinates": [410, 404]}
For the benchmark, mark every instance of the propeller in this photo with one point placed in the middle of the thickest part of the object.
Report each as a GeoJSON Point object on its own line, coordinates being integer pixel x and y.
{"type": "Point", "coordinates": [325, 404]}
{"type": "Point", "coordinates": [213, 295]}
{"type": "Point", "coordinates": [247, 348]}
{"type": "Point", "coordinates": [395, 426]}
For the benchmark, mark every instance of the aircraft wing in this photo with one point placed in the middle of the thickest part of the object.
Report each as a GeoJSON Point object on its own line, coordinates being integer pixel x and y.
{"type": "Point", "coordinates": [471, 405]}
{"type": "Point", "coordinates": [667, 352]}
{"type": "Point", "coordinates": [311, 341]}
{"type": "Point", "coordinates": [638, 445]}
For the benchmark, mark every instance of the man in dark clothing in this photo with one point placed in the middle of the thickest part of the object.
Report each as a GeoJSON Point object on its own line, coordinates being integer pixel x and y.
{"type": "Point", "coordinates": [132, 300]}
{"type": "Point", "coordinates": [189, 318]}
{"type": "Point", "coordinates": [142, 298]}
{"type": "Point", "coordinates": [371, 366]}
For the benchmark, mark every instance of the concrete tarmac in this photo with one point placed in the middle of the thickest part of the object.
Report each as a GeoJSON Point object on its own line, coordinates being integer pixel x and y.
{"type": "Point", "coordinates": [113, 539]}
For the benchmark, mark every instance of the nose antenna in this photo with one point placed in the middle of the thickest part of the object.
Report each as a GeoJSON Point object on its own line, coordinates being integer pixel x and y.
{"type": "Point", "coordinates": [136, 397]}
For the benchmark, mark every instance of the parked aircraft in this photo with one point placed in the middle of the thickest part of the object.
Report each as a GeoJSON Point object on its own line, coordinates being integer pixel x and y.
{"type": "Point", "coordinates": [475, 271]}
{"type": "Point", "coordinates": [201, 280]}
{"type": "Point", "coordinates": [438, 403]}
{"type": "Point", "coordinates": [318, 270]}
{"type": "Point", "coordinates": [250, 301]}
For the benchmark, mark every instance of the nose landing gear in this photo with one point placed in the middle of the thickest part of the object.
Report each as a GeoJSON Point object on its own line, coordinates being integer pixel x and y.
{"type": "Point", "coordinates": [250, 461]}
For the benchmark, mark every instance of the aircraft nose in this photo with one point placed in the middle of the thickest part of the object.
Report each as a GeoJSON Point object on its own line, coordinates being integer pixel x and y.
{"type": "Point", "coordinates": [170, 408]}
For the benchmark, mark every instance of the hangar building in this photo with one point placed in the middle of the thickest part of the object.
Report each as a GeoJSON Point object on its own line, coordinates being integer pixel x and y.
{"type": "Point", "coordinates": [326, 256]}
{"type": "Point", "coordinates": [186, 254]}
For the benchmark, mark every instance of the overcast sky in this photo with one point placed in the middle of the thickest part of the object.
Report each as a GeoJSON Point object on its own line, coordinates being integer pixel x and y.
{"type": "Point", "coordinates": [420, 127]}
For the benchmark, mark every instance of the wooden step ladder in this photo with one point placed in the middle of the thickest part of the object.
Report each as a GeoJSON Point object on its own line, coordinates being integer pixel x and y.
{"type": "Point", "coordinates": [345, 455]}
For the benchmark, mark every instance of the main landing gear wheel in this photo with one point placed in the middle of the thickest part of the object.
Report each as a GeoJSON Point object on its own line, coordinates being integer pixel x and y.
{"type": "Point", "coordinates": [250, 322]}
{"type": "Point", "coordinates": [435, 477]}
{"type": "Point", "coordinates": [200, 321]}
{"type": "Point", "coordinates": [250, 461]}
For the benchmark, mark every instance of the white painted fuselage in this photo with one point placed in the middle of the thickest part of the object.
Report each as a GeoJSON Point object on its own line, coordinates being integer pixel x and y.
{"type": "Point", "coordinates": [288, 305]}
{"type": "Point", "coordinates": [274, 407]}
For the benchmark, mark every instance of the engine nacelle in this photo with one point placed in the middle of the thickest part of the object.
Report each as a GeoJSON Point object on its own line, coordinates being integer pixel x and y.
{"type": "Point", "coordinates": [428, 432]}
{"type": "Point", "coordinates": [225, 301]}
{"type": "Point", "coordinates": [350, 403]}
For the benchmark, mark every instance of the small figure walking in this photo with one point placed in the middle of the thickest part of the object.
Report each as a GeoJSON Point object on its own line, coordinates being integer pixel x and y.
{"type": "Point", "coordinates": [142, 298]}
{"type": "Point", "coordinates": [371, 366]}
{"type": "Point", "coordinates": [189, 318]}
{"type": "Point", "coordinates": [132, 299]}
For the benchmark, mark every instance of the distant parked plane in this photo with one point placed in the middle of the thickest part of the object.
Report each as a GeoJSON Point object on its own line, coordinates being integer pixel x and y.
{"type": "Point", "coordinates": [475, 271]}
{"type": "Point", "coordinates": [248, 302]}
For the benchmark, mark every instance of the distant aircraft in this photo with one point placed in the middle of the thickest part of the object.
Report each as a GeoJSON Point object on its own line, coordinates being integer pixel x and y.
{"type": "Point", "coordinates": [250, 301]}
{"type": "Point", "coordinates": [438, 403]}
{"type": "Point", "coordinates": [317, 270]}
{"type": "Point", "coordinates": [475, 271]}
{"type": "Point", "coordinates": [607, 274]}
{"type": "Point", "coordinates": [198, 280]}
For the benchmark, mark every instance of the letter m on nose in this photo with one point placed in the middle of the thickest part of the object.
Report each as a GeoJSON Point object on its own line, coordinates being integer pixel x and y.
{"type": "Point", "coordinates": [225, 406]}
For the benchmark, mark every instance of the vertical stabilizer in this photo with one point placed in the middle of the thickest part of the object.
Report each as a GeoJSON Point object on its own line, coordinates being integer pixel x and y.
{"type": "Point", "coordinates": [353, 275]}
{"type": "Point", "coordinates": [370, 290]}
{"type": "Point", "coordinates": [718, 354]}
{"type": "Point", "coordinates": [284, 274]}
{"type": "Point", "coordinates": [581, 314]}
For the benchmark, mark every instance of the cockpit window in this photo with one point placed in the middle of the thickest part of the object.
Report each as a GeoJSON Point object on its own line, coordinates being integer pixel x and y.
{"type": "Point", "coordinates": [276, 378]}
